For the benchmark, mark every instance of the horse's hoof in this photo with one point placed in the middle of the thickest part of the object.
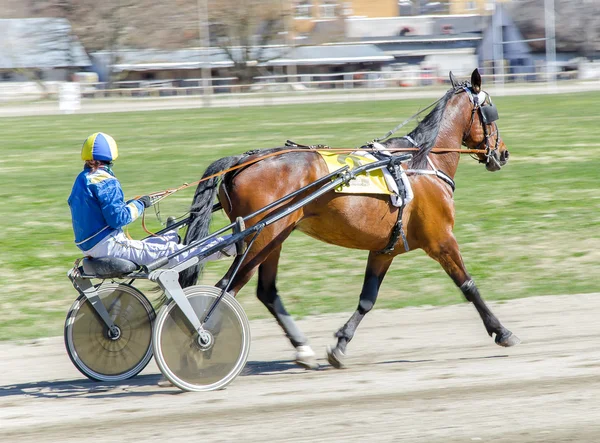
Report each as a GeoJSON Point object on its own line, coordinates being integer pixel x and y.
{"type": "Point", "coordinates": [507, 339]}
{"type": "Point", "coordinates": [305, 357]}
{"type": "Point", "coordinates": [336, 358]}
{"type": "Point", "coordinates": [164, 383]}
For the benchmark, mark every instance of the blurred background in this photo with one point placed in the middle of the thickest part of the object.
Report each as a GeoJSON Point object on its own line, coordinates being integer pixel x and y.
{"type": "Point", "coordinates": [181, 83]}
{"type": "Point", "coordinates": [141, 48]}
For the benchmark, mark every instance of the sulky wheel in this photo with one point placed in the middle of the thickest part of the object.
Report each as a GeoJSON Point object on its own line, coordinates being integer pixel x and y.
{"type": "Point", "coordinates": [193, 364]}
{"type": "Point", "coordinates": [96, 353]}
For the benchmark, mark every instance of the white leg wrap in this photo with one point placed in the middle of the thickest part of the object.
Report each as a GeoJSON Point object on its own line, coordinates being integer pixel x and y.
{"type": "Point", "coordinates": [303, 352]}
{"type": "Point", "coordinates": [305, 357]}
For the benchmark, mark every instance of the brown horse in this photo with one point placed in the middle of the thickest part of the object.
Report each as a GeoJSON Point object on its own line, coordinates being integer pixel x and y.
{"type": "Point", "coordinates": [463, 116]}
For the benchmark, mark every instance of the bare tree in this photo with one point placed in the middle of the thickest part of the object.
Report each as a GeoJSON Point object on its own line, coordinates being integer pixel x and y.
{"type": "Point", "coordinates": [100, 26]}
{"type": "Point", "coordinates": [577, 24]}
{"type": "Point", "coordinates": [249, 32]}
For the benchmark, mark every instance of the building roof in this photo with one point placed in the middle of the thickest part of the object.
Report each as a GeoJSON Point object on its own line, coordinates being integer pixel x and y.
{"type": "Point", "coordinates": [151, 60]}
{"type": "Point", "coordinates": [401, 47]}
{"type": "Point", "coordinates": [154, 59]}
{"type": "Point", "coordinates": [41, 43]}
{"type": "Point", "coordinates": [332, 54]}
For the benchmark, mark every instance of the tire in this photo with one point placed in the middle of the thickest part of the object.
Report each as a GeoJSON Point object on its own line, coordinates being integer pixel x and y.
{"type": "Point", "coordinates": [93, 352]}
{"type": "Point", "coordinates": [180, 357]}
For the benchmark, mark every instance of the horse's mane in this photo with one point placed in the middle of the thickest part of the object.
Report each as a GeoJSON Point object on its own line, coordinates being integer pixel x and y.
{"type": "Point", "coordinates": [425, 134]}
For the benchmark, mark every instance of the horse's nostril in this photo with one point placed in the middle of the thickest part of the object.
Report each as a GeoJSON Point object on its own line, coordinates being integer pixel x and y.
{"type": "Point", "coordinates": [505, 155]}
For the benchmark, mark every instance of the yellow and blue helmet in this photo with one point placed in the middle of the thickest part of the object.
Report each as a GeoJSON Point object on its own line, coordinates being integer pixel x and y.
{"type": "Point", "coordinates": [99, 146]}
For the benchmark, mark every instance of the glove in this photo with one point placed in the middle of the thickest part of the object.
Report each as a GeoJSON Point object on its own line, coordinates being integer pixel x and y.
{"type": "Point", "coordinates": [145, 200]}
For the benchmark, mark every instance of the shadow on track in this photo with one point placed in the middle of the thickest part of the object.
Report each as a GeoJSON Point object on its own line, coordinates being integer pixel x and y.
{"type": "Point", "coordinates": [82, 387]}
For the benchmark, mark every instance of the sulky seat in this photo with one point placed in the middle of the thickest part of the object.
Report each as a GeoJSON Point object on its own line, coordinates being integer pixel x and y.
{"type": "Point", "coordinates": [108, 267]}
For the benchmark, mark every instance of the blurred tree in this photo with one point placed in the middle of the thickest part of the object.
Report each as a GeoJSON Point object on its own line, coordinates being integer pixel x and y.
{"type": "Point", "coordinates": [13, 9]}
{"type": "Point", "coordinates": [98, 25]}
{"type": "Point", "coordinates": [577, 24]}
{"type": "Point", "coordinates": [245, 30]}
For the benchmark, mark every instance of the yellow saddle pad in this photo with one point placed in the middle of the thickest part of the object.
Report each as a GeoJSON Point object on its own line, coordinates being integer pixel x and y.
{"type": "Point", "coordinates": [371, 182]}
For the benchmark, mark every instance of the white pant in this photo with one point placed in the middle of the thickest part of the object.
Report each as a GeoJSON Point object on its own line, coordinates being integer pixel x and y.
{"type": "Point", "coordinates": [144, 252]}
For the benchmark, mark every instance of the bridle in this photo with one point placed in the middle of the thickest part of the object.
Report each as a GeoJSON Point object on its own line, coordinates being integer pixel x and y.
{"type": "Point", "coordinates": [488, 114]}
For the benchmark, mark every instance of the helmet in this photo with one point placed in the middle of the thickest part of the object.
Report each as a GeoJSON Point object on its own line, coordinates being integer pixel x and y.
{"type": "Point", "coordinates": [99, 146]}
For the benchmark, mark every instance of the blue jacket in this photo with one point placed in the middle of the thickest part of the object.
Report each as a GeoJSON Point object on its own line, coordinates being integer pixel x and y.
{"type": "Point", "coordinates": [98, 207]}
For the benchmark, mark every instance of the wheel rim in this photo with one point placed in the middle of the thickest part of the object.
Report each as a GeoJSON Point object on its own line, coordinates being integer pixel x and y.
{"type": "Point", "coordinates": [197, 363]}
{"type": "Point", "coordinates": [97, 353]}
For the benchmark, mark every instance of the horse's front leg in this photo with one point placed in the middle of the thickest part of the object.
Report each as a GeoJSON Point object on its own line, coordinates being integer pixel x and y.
{"type": "Point", "coordinates": [377, 266]}
{"type": "Point", "coordinates": [448, 255]}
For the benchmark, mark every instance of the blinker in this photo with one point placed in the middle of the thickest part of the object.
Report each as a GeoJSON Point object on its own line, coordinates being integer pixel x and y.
{"type": "Point", "coordinates": [489, 114]}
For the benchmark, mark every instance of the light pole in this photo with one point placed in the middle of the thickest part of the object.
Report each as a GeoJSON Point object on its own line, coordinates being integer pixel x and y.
{"type": "Point", "coordinates": [498, 46]}
{"type": "Point", "coordinates": [287, 9]}
{"type": "Point", "coordinates": [204, 34]}
{"type": "Point", "coordinates": [550, 44]}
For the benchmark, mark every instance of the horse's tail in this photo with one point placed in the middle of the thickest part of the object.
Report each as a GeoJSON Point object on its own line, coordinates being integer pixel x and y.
{"type": "Point", "coordinates": [201, 212]}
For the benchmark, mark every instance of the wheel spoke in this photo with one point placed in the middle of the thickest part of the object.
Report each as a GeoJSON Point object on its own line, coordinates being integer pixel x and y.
{"type": "Point", "coordinates": [193, 365]}
{"type": "Point", "coordinates": [93, 351]}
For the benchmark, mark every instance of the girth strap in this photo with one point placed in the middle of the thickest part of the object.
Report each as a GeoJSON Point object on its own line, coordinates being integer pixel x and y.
{"type": "Point", "coordinates": [397, 230]}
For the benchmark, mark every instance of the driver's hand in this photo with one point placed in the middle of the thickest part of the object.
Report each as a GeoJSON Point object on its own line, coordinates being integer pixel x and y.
{"type": "Point", "coordinates": [145, 200]}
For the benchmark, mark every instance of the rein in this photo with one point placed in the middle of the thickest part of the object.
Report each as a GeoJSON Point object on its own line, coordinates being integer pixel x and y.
{"type": "Point", "coordinates": [414, 116]}
{"type": "Point", "coordinates": [160, 195]}
{"type": "Point", "coordinates": [156, 197]}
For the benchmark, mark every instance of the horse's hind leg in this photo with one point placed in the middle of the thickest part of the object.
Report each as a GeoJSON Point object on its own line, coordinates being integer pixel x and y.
{"type": "Point", "coordinates": [377, 267]}
{"type": "Point", "coordinates": [267, 294]}
{"type": "Point", "coordinates": [448, 255]}
{"type": "Point", "coordinates": [264, 256]}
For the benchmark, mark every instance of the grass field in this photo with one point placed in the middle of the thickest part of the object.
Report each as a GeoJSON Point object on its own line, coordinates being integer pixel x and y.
{"type": "Point", "coordinates": [530, 229]}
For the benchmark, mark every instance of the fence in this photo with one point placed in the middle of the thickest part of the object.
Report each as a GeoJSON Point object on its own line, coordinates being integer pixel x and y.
{"type": "Point", "coordinates": [275, 84]}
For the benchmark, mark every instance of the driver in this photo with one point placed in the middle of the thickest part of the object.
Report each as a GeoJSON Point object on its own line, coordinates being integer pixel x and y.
{"type": "Point", "coordinates": [99, 212]}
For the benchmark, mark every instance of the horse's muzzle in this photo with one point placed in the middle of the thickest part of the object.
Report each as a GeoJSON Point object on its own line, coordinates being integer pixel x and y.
{"type": "Point", "coordinates": [495, 163]}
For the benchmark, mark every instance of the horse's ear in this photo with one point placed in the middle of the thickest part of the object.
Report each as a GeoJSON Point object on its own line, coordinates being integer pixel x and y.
{"type": "Point", "coordinates": [453, 80]}
{"type": "Point", "coordinates": [476, 81]}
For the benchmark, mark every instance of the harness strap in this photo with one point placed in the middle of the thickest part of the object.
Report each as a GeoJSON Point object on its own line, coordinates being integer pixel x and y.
{"type": "Point", "coordinates": [434, 171]}
{"type": "Point", "coordinates": [398, 229]}
{"type": "Point", "coordinates": [441, 175]}
{"type": "Point", "coordinates": [411, 140]}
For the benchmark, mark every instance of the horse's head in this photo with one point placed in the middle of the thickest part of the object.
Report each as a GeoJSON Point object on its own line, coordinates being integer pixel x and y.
{"type": "Point", "coordinates": [482, 132]}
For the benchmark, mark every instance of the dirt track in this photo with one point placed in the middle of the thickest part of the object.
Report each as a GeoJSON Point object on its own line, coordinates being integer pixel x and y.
{"type": "Point", "coordinates": [417, 374]}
